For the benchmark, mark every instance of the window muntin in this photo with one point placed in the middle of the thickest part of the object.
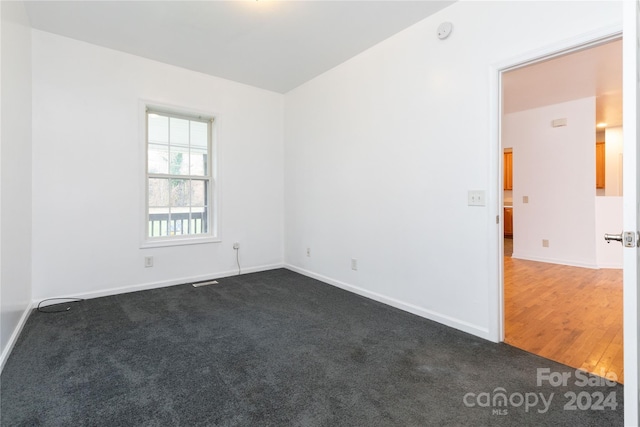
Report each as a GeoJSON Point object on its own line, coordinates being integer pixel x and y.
{"type": "Point", "coordinates": [179, 177]}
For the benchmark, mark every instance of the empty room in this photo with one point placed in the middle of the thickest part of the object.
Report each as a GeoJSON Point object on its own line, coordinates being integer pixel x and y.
{"type": "Point", "coordinates": [279, 213]}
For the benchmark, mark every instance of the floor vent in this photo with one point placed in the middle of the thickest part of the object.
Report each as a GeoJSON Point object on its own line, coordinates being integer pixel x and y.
{"type": "Point", "coordinates": [209, 282]}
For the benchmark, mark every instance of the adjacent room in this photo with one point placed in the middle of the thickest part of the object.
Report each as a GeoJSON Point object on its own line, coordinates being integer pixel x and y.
{"type": "Point", "coordinates": [562, 142]}
{"type": "Point", "coordinates": [271, 213]}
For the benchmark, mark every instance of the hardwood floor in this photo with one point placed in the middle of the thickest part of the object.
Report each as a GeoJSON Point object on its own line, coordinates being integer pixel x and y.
{"type": "Point", "coordinates": [568, 314]}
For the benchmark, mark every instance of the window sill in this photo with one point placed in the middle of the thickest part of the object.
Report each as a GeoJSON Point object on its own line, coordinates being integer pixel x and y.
{"type": "Point", "coordinates": [160, 243]}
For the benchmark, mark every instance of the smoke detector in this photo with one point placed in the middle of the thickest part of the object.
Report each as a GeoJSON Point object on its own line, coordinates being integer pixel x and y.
{"type": "Point", "coordinates": [444, 30]}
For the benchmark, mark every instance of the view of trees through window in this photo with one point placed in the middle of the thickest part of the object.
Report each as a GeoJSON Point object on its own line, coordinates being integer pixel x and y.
{"type": "Point", "coordinates": [178, 175]}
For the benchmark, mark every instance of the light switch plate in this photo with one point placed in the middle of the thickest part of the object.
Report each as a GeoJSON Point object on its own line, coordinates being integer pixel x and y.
{"type": "Point", "coordinates": [476, 198]}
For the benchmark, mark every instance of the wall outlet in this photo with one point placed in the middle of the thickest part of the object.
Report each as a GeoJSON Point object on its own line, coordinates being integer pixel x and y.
{"type": "Point", "coordinates": [309, 252]}
{"type": "Point", "coordinates": [236, 245]}
{"type": "Point", "coordinates": [559, 122]}
{"type": "Point", "coordinates": [148, 261]}
{"type": "Point", "coordinates": [545, 243]}
{"type": "Point", "coordinates": [354, 264]}
{"type": "Point", "coordinates": [476, 198]}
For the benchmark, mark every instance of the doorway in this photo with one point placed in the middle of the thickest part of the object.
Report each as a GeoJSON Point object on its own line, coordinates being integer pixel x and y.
{"type": "Point", "coordinates": [562, 286]}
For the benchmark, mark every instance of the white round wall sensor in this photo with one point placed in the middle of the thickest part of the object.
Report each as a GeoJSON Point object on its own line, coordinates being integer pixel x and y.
{"type": "Point", "coordinates": [444, 30]}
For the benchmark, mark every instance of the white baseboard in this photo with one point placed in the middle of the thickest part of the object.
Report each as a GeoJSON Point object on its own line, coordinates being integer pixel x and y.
{"type": "Point", "coordinates": [413, 309]}
{"type": "Point", "coordinates": [613, 265]}
{"type": "Point", "coordinates": [162, 284]}
{"type": "Point", "coordinates": [571, 263]}
{"type": "Point", "coordinates": [14, 336]}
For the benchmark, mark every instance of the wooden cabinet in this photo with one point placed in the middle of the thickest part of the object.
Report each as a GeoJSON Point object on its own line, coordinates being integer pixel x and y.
{"type": "Point", "coordinates": [508, 221]}
{"type": "Point", "coordinates": [600, 162]}
{"type": "Point", "coordinates": [508, 170]}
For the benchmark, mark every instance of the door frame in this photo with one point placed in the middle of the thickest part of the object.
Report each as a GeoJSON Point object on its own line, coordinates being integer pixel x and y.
{"type": "Point", "coordinates": [585, 41]}
{"type": "Point", "coordinates": [630, 119]}
{"type": "Point", "coordinates": [495, 192]}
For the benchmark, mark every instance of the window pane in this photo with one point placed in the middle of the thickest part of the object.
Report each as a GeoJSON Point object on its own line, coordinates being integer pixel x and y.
{"type": "Point", "coordinates": [199, 134]}
{"type": "Point", "coordinates": [158, 222]}
{"type": "Point", "coordinates": [199, 224]}
{"type": "Point", "coordinates": [177, 149]}
{"type": "Point", "coordinates": [160, 211]}
{"type": "Point", "coordinates": [198, 192]}
{"type": "Point", "coordinates": [158, 158]}
{"type": "Point", "coordinates": [158, 192]}
{"type": "Point", "coordinates": [179, 130]}
{"type": "Point", "coordinates": [158, 128]}
{"type": "Point", "coordinates": [179, 161]}
{"type": "Point", "coordinates": [179, 221]}
{"type": "Point", "coordinates": [198, 161]}
{"type": "Point", "coordinates": [180, 194]}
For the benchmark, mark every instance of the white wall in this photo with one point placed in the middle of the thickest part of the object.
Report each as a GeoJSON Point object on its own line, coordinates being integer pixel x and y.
{"type": "Point", "coordinates": [15, 173]}
{"type": "Point", "coordinates": [381, 151]}
{"type": "Point", "coordinates": [609, 209]}
{"type": "Point", "coordinates": [555, 169]}
{"type": "Point", "coordinates": [613, 161]}
{"type": "Point", "coordinates": [87, 173]}
{"type": "Point", "coordinates": [608, 220]}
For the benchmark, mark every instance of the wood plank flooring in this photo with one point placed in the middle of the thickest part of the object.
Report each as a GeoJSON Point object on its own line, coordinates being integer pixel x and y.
{"type": "Point", "coordinates": [567, 314]}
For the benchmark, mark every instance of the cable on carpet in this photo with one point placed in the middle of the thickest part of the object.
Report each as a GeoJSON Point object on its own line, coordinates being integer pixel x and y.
{"type": "Point", "coordinates": [69, 300]}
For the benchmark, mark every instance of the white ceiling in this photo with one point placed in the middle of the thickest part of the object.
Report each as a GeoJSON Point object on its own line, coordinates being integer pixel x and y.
{"type": "Point", "coordinates": [592, 72]}
{"type": "Point", "coordinates": [274, 45]}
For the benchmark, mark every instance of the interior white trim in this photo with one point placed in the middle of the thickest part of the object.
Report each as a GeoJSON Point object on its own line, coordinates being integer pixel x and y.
{"type": "Point", "coordinates": [496, 265]}
{"type": "Point", "coordinates": [213, 236]}
{"type": "Point", "coordinates": [164, 283]}
{"type": "Point", "coordinates": [563, 47]}
{"type": "Point", "coordinates": [410, 308]}
{"type": "Point", "coordinates": [630, 119]}
{"type": "Point", "coordinates": [610, 265]}
{"type": "Point", "coordinates": [163, 243]}
{"type": "Point", "coordinates": [568, 262]}
{"type": "Point", "coordinates": [15, 335]}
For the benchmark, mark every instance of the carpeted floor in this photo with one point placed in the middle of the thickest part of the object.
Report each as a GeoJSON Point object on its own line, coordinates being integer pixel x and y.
{"type": "Point", "coordinates": [279, 349]}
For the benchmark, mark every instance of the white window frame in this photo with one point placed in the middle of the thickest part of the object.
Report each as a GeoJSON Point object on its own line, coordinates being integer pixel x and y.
{"type": "Point", "coordinates": [213, 210]}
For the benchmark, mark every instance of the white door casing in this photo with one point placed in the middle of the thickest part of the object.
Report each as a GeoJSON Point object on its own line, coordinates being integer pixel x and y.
{"type": "Point", "coordinates": [584, 41]}
{"type": "Point", "coordinates": [631, 185]}
{"type": "Point", "coordinates": [630, 68]}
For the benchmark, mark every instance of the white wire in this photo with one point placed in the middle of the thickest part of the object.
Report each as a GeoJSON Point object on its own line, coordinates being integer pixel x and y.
{"type": "Point", "coordinates": [238, 259]}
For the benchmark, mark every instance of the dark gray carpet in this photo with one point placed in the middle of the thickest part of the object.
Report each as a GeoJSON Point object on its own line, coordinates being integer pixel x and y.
{"type": "Point", "coordinates": [273, 349]}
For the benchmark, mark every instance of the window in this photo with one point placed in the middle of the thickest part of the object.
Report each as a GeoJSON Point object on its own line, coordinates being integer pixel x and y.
{"type": "Point", "coordinates": [179, 178]}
